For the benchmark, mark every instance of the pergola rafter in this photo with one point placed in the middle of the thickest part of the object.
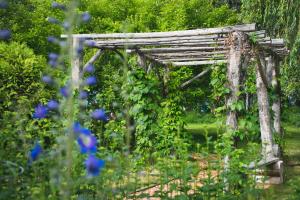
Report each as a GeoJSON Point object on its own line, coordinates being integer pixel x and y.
{"type": "Point", "coordinates": [208, 46]}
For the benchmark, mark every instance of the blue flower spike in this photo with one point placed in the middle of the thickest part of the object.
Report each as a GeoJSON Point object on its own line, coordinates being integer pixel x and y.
{"type": "Point", "coordinates": [52, 20]}
{"type": "Point", "coordinates": [40, 112]}
{"type": "Point", "coordinates": [66, 25]}
{"type": "Point", "coordinates": [94, 165]}
{"type": "Point", "coordinates": [64, 91]}
{"type": "Point", "coordinates": [99, 114]}
{"type": "Point", "coordinates": [58, 6]}
{"type": "Point", "coordinates": [89, 68]}
{"type": "Point", "coordinates": [52, 39]}
{"type": "Point", "coordinates": [35, 152]}
{"type": "Point", "coordinates": [90, 43]}
{"type": "Point", "coordinates": [5, 34]}
{"type": "Point", "coordinates": [3, 4]}
{"type": "Point", "coordinates": [53, 105]}
{"type": "Point", "coordinates": [53, 57]}
{"type": "Point", "coordinates": [83, 94]}
{"type": "Point", "coordinates": [91, 80]}
{"type": "Point", "coordinates": [47, 79]}
{"type": "Point", "coordinates": [87, 142]}
{"type": "Point", "coordinates": [77, 128]}
{"type": "Point", "coordinates": [85, 17]}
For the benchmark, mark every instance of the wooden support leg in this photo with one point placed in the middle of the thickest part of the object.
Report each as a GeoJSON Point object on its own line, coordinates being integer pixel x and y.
{"type": "Point", "coordinates": [234, 79]}
{"type": "Point", "coordinates": [75, 64]}
{"type": "Point", "coordinates": [94, 58]}
{"type": "Point", "coordinates": [142, 61]}
{"type": "Point", "coordinates": [264, 113]}
{"type": "Point", "coordinates": [276, 107]}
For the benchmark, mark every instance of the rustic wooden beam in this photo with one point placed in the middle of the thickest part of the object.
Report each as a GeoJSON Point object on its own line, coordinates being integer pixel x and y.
{"type": "Point", "coordinates": [189, 59]}
{"type": "Point", "coordinates": [205, 31]}
{"type": "Point", "coordinates": [181, 49]}
{"type": "Point", "coordinates": [178, 43]}
{"type": "Point", "coordinates": [195, 77]}
{"type": "Point", "coordinates": [188, 54]}
{"type": "Point", "coordinates": [94, 58]}
{"type": "Point", "coordinates": [195, 63]}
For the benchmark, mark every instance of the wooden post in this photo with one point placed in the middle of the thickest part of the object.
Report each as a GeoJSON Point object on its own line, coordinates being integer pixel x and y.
{"type": "Point", "coordinates": [75, 64]}
{"type": "Point", "coordinates": [234, 79]}
{"type": "Point", "coordinates": [273, 64]}
{"type": "Point", "coordinates": [264, 111]}
{"type": "Point", "coordinates": [142, 61]}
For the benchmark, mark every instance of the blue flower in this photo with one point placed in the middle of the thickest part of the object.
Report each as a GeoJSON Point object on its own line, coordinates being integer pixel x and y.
{"type": "Point", "coordinates": [52, 20]}
{"type": "Point", "coordinates": [83, 94]}
{"type": "Point", "coordinates": [94, 165]}
{"type": "Point", "coordinates": [89, 68]}
{"type": "Point", "coordinates": [5, 34]}
{"type": "Point", "coordinates": [87, 142]}
{"type": "Point", "coordinates": [91, 80]}
{"type": "Point", "coordinates": [47, 79]}
{"type": "Point", "coordinates": [85, 17]}
{"type": "Point", "coordinates": [52, 63]}
{"type": "Point", "coordinates": [53, 105]}
{"type": "Point", "coordinates": [53, 56]}
{"type": "Point", "coordinates": [35, 152]}
{"type": "Point", "coordinates": [64, 91]}
{"type": "Point", "coordinates": [90, 43]}
{"type": "Point", "coordinates": [79, 49]}
{"type": "Point", "coordinates": [40, 112]}
{"type": "Point", "coordinates": [77, 128]}
{"type": "Point", "coordinates": [3, 5]}
{"type": "Point", "coordinates": [99, 114]}
{"type": "Point", "coordinates": [58, 6]}
{"type": "Point", "coordinates": [66, 25]}
{"type": "Point", "coordinates": [52, 39]}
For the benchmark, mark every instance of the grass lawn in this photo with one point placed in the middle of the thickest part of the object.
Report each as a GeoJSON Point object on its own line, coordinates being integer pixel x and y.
{"type": "Point", "coordinates": [200, 131]}
{"type": "Point", "coordinates": [291, 185]}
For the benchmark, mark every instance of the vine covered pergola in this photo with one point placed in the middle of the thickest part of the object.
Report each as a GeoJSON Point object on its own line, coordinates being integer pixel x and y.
{"type": "Point", "coordinates": [235, 46]}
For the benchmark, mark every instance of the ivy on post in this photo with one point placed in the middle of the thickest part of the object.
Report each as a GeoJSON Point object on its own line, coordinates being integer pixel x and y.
{"type": "Point", "coordinates": [235, 42]}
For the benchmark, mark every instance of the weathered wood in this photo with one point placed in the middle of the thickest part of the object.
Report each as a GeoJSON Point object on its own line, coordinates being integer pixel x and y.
{"type": "Point", "coordinates": [234, 80]}
{"type": "Point", "coordinates": [234, 77]}
{"type": "Point", "coordinates": [178, 43]}
{"type": "Point", "coordinates": [181, 49]}
{"type": "Point", "coordinates": [261, 67]}
{"type": "Point", "coordinates": [273, 79]}
{"type": "Point", "coordinates": [264, 115]}
{"type": "Point", "coordinates": [195, 77]}
{"type": "Point", "coordinates": [194, 63]}
{"type": "Point", "coordinates": [188, 53]}
{"type": "Point", "coordinates": [201, 38]}
{"type": "Point", "coordinates": [189, 59]}
{"type": "Point", "coordinates": [205, 31]}
{"type": "Point", "coordinates": [76, 64]}
{"type": "Point", "coordinates": [142, 61]}
{"type": "Point", "coordinates": [94, 58]}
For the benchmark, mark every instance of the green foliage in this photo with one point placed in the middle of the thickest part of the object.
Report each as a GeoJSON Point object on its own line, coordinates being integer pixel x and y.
{"type": "Point", "coordinates": [28, 22]}
{"type": "Point", "coordinates": [20, 91]}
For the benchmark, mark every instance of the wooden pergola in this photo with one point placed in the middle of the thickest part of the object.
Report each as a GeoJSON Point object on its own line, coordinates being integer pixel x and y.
{"type": "Point", "coordinates": [235, 46]}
